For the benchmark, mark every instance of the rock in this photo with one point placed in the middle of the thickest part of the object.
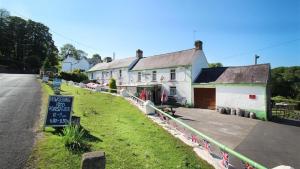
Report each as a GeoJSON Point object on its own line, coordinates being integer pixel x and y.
{"type": "Point", "coordinates": [240, 112]}
{"type": "Point", "coordinates": [232, 111]}
{"type": "Point", "coordinates": [252, 115]}
{"type": "Point", "coordinates": [93, 160]}
{"type": "Point", "coordinates": [148, 107]}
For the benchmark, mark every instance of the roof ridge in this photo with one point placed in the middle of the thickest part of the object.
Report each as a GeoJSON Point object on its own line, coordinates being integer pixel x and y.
{"type": "Point", "coordinates": [238, 66]}
{"type": "Point", "coordinates": [157, 55]}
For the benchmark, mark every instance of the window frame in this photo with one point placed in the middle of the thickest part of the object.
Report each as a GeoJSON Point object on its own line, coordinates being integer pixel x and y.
{"type": "Point", "coordinates": [139, 78]}
{"type": "Point", "coordinates": [154, 75]}
{"type": "Point", "coordinates": [174, 89]}
{"type": "Point", "coordinates": [172, 72]}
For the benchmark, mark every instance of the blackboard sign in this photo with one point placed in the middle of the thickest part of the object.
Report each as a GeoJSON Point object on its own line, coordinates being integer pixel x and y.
{"type": "Point", "coordinates": [59, 110]}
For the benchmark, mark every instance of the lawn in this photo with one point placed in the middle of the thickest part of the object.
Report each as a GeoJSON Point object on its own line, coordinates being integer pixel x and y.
{"type": "Point", "coordinates": [129, 139]}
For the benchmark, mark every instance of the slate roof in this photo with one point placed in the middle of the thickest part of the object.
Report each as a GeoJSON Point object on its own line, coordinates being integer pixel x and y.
{"type": "Point", "coordinates": [239, 74]}
{"type": "Point", "coordinates": [174, 59]}
{"type": "Point", "coordinates": [119, 63]}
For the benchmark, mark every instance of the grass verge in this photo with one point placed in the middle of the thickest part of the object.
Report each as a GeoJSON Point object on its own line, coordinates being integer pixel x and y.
{"type": "Point", "coordinates": [129, 139]}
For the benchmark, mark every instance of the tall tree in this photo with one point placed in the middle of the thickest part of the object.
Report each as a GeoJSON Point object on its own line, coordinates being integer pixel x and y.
{"type": "Point", "coordinates": [24, 44]}
{"type": "Point", "coordinates": [68, 49]}
{"type": "Point", "coordinates": [96, 58]}
{"type": "Point", "coordinates": [81, 54]}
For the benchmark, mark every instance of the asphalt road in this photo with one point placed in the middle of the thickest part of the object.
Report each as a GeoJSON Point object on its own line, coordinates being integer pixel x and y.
{"type": "Point", "coordinates": [20, 100]}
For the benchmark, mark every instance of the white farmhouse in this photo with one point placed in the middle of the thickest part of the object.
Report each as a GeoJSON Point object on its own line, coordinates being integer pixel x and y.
{"type": "Point", "coordinates": [70, 64]}
{"type": "Point", "coordinates": [117, 69]}
{"type": "Point", "coordinates": [170, 73]}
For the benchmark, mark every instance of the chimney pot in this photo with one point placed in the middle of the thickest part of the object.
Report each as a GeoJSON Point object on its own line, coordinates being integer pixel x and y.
{"type": "Point", "coordinates": [198, 45]}
{"type": "Point", "coordinates": [139, 53]}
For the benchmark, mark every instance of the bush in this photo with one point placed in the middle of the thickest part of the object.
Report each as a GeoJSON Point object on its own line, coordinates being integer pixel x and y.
{"type": "Point", "coordinates": [73, 137]}
{"type": "Point", "coordinates": [112, 85]}
{"type": "Point", "coordinates": [75, 76]}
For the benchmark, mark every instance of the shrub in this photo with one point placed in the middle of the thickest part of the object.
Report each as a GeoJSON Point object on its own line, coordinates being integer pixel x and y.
{"type": "Point", "coordinates": [75, 76]}
{"type": "Point", "coordinates": [73, 137]}
{"type": "Point", "coordinates": [112, 85]}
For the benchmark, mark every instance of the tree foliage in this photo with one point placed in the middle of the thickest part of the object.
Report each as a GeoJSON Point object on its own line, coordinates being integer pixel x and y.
{"type": "Point", "coordinates": [285, 81]}
{"type": "Point", "coordinates": [112, 85]}
{"type": "Point", "coordinates": [25, 44]}
{"type": "Point", "coordinates": [68, 49]}
{"type": "Point", "coordinates": [215, 65]}
{"type": "Point", "coordinates": [95, 59]}
{"type": "Point", "coordinates": [75, 76]}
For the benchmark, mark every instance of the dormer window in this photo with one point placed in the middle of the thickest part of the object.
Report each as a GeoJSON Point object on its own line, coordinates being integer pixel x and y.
{"type": "Point", "coordinates": [172, 74]}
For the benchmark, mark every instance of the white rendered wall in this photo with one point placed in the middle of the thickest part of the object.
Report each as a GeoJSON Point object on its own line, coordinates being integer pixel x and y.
{"type": "Point", "coordinates": [97, 75]}
{"type": "Point", "coordinates": [182, 82]}
{"type": "Point", "coordinates": [236, 96]}
{"type": "Point", "coordinates": [199, 63]}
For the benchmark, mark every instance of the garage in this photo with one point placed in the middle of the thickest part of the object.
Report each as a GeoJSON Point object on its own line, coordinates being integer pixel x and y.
{"type": "Point", "coordinates": [205, 98]}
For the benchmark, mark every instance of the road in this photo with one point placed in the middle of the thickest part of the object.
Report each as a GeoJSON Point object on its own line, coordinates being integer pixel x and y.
{"type": "Point", "coordinates": [20, 102]}
{"type": "Point", "coordinates": [268, 143]}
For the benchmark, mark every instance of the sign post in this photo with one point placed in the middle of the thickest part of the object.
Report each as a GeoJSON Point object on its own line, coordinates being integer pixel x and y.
{"type": "Point", "coordinates": [59, 111]}
{"type": "Point", "coordinates": [56, 85]}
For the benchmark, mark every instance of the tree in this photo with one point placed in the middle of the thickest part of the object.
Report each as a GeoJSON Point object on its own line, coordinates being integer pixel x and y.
{"type": "Point", "coordinates": [68, 49]}
{"type": "Point", "coordinates": [25, 44]}
{"type": "Point", "coordinates": [211, 65]}
{"type": "Point", "coordinates": [81, 54]}
{"type": "Point", "coordinates": [112, 85]}
{"type": "Point", "coordinates": [285, 81]}
{"type": "Point", "coordinates": [4, 13]}
{"type": "Point", "coordinates": [95, 59]}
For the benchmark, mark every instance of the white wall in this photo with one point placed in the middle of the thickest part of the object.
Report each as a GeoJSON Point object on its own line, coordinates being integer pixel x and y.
{"type": "Point", "coordinates": [97, 75]}
{"type": "Point", "coordinates": [236, 96]}
{"type": "Point", "coordinates": [182, 82]}
{"type": "Point", "coordinates": [199, 63]}
{"type": "Point", "coordinates": [67, 64]}
{"type": "Point", "coordinates": [70, 64]}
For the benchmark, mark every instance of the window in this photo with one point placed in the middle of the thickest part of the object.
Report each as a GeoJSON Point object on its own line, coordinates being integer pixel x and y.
{"type": "Point", "coordinates": [172, 91]}
{"type": "Point", "coordinates": [153, 75]}
{"type": "Point", "coordinates": [172, 74]}
{"type": "Point", "coordinates": [92, 76]}
{"type": "Point", "coordinates": [111, 74]}
{"type": "Point", "coordinates": [139, 76]}
{"type": "Point", "coordinates": [120, 73]}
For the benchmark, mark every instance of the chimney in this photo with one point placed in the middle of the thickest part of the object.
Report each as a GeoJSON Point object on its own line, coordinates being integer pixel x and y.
{"type": "Point", "coordinates": [139, 53]}
{"type": "Point", "coordinates": [198, 45]}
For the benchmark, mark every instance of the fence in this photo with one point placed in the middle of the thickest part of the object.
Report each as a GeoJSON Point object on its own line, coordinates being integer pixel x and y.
{"type": "Point", "coordinates": [215, 149]}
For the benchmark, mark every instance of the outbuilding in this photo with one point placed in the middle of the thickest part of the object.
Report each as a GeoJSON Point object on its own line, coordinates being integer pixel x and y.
{"type": "Point", "coordinates": [243, 87]}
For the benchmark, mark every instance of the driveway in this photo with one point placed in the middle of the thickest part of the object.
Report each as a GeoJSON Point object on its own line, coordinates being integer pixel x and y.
{"type": "Point", "coordinates": [268, 143]}
{"type": "Point", "coordinates": [20, 100]}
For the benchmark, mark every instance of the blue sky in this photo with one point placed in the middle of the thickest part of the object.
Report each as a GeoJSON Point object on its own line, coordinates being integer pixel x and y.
{"type": "Point", "coordinates": [232, 31]}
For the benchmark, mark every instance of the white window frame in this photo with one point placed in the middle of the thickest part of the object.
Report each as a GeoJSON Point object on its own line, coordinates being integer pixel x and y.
{"type": "Point", "coordinates": [173, 71]}
{"type": "Point", "coordinates": [173, 91]}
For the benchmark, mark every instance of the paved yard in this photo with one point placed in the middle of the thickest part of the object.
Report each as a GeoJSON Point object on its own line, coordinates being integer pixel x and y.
{"type": "Point", "coordinates": [268, 143]}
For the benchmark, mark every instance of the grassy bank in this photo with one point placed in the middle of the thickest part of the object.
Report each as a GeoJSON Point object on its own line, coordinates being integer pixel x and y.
{"type": "Point", "coordinates": [129, 139]}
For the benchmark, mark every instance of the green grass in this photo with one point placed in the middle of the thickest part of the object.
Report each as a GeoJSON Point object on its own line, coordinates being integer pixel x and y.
{"type": "Point", "coordinates": [129, 139]}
